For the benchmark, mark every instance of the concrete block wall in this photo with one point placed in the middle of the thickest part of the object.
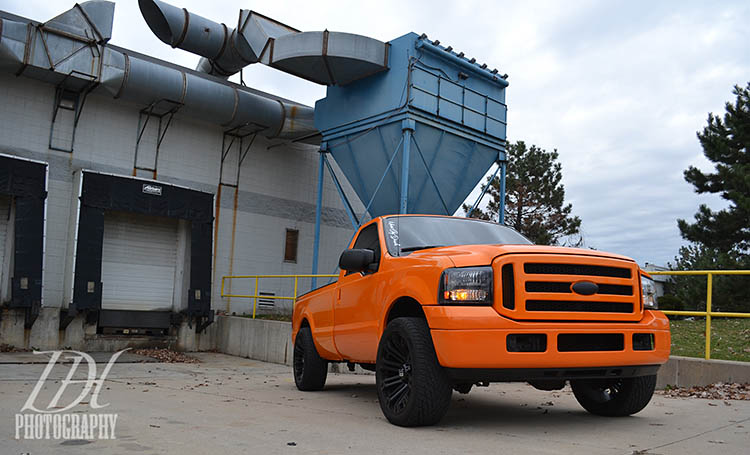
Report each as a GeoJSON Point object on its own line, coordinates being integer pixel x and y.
{"type": "Point", "coordinates": [276, 191]}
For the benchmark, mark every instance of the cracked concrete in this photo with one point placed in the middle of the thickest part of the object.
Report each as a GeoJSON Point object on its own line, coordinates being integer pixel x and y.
{"type": "Point", "coordinates": [234, 405]}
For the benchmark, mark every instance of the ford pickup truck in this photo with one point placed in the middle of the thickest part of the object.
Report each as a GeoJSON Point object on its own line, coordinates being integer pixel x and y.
{"type": "Point", "coordinates": [434, 304]}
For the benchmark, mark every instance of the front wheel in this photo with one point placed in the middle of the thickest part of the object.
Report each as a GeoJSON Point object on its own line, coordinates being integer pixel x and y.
{"type": "Point", "coordinates": [413, 389]}
{"type": "Point", "coordinates": [614, 397]}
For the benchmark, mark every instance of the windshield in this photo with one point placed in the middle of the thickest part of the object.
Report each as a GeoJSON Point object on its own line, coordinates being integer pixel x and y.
{"type": "Point", "coordinates": [404, 234]}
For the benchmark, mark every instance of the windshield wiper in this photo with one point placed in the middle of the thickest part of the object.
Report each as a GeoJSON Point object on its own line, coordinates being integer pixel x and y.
{"type": "Point", "coordinates": [421, 247]}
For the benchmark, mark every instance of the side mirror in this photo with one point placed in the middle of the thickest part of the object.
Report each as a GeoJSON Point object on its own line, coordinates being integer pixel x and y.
{"type": "Point", "coordinates": [356, 260]}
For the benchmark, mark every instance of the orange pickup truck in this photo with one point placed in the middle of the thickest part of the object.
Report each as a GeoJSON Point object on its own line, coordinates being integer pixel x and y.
{"type": "Point", "coordinates": [433, 304]}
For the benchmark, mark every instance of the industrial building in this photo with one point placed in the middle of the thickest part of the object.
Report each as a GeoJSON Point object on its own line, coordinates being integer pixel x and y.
{"type": "Point", "coordinates": [129, 186]}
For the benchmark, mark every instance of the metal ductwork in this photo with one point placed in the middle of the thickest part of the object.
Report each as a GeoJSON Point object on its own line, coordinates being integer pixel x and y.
{"type": "Point", "coordinates": [328, 58]}
{"type": "Point", "coordinates": [71, 51]}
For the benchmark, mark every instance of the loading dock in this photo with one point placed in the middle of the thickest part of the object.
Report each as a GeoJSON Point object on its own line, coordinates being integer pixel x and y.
{"type": "Point", "coordinates": [141, 247]}
{"type": "Point", "coordinates": [23, 187]}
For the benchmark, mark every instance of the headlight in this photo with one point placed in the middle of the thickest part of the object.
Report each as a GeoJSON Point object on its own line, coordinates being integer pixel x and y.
{"type": "Point", "coordinates": [648, 293]}
{"type": "Point", "coordinates": [466, 286]}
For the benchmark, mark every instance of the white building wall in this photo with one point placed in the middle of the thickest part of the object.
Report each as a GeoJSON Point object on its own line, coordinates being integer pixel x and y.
{"type": "Point", "coordinates": [277, 187]}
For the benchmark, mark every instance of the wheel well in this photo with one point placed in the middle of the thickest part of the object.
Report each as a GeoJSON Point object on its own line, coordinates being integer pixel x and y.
{"type": "Point", "coordinates": [405, 307]}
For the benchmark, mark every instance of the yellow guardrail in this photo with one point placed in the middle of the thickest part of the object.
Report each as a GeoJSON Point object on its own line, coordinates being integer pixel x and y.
{"type": "Point", "coordinates": [708, 314]}
{"type": "Point", "coordinates": [257, 279]}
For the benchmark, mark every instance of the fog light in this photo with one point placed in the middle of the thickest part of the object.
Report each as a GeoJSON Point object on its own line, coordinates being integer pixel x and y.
{"type": "Point", "coordinates": [643, 341]}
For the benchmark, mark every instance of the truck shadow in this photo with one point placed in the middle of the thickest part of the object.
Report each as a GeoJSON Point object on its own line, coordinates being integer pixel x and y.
{"type": "Point", "coordinates": [494, 411]}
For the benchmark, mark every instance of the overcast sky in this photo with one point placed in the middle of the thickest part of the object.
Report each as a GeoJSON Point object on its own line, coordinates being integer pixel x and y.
{"type": "Point", "coordinates": [618, 88]}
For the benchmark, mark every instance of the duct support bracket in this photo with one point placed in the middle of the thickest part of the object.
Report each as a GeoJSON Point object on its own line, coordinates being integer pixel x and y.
{"type": "Point", "coordinates": [161, 109]}
{"type": "Point", "coordinates": [237, 135]}
{"type": "Point", "coordinates": [70, 95]}
{"type": "Point", "coordinates": [231, 178]}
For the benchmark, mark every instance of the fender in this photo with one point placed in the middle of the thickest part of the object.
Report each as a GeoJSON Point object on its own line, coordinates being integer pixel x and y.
{"type": "Point", "coordinates": [324, 352]}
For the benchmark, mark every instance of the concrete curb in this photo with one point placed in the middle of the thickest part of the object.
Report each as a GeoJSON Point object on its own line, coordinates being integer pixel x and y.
{"type": "Point", "coordinates": [271, 341]}
{"type": "Point", "coordinates": [689, 372]}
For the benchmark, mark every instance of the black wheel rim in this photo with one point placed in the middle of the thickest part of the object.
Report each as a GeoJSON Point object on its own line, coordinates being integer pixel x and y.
{"type": "Point", "coordinates": [396, 373]}
{"type": "Point", "coordinates": [299, 361]}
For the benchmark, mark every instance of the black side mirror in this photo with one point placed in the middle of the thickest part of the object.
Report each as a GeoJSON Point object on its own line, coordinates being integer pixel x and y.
{"type": "Point", "coordinates": [356, 260]}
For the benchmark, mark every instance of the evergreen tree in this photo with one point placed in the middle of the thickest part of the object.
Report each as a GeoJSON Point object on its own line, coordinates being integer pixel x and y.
{"type": "Point", "coordinates": [720, 240]}
{"type": "Point", "coordinates": [725, 143]}
{"type": "Point", "coordinates": [534, 196]}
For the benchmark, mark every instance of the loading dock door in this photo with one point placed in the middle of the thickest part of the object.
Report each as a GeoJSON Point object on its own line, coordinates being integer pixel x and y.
{"type": "Point", "coordinates": [4, 221]}
{"type": "Point", "coordinates": [139, 256]}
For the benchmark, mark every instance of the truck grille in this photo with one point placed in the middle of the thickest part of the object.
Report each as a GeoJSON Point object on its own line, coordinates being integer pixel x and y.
{"type": "Point", "coordinates": [563, 287]}
{"type": "Point", "coordinates": [590, 307]}
{"type": "Point", "coordinates": [542, 288]}
{"type": "Point", "coordinates": [575, 269]}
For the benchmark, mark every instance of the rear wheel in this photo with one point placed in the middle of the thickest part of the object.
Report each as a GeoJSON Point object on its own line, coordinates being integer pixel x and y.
{"type": "Point", "coordinates": [413, 389]}
{"type": "Point", "coordinates": [310, 370]}
{"type": "Point", "coordinates": [614, 397]}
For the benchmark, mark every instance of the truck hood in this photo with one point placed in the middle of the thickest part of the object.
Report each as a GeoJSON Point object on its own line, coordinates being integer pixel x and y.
{"type": "Point", "coordinates": [474, 255]}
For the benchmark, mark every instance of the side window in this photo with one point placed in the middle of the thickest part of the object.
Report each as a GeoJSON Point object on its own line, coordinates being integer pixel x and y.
{"type": "Point", "coordinates": [368, 239]}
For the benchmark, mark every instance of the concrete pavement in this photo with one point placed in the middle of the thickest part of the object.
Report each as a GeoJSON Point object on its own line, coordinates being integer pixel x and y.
{"type": "Point", "coordinates": [234, 405]}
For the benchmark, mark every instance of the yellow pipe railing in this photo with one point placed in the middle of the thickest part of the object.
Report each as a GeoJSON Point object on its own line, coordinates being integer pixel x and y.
{"type": "Point", "coordinates": [257, 278]}
{"type": "Point", "coordinates": [709, 291]}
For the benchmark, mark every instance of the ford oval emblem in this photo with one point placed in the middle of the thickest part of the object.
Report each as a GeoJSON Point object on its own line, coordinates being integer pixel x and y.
{"type": "Point", "coordinates": [585, 288]}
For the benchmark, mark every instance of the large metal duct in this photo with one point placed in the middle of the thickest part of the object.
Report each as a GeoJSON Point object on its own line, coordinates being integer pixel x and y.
{"type": "Point", "coordinates": [71, 50]}
{"type": "Point", "coordinates": [328, 58]}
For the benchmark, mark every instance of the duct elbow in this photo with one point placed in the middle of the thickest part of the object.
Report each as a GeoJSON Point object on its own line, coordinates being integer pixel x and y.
{"type": "Point", "coordinates": [181, 29]}
{"type": "Point", "coordinates": [166, 21]}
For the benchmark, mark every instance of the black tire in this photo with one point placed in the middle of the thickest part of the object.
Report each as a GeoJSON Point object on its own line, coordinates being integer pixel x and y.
{"type": "Point", "coordinates": [413, 389]}
{"type": "Point", "coordinates": [614, 397]}
{"type": "Point", "coordinates": [310, 370]}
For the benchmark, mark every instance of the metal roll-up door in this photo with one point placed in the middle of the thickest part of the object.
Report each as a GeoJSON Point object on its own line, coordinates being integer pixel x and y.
{"type": "Point", "coordinates": [4, 221]}
{"type": "Point", "coordinates": [139, 256]}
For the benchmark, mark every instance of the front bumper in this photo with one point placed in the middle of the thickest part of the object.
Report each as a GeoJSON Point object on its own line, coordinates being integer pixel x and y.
{"type": "Point", "coordinates": [475, 338]}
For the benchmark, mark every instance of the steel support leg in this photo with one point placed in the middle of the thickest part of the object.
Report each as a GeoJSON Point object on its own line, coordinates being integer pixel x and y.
{"type": "Point", "coordinates": [318, 207]}
{"type": "Point", "coordinates": [501, 206]}
{"type": "Point", "coordinates": [407, 127]}
{"type": "Point", "coordinates": [484, 191]}
{"type": "Point", "coordinates": [345, 200]}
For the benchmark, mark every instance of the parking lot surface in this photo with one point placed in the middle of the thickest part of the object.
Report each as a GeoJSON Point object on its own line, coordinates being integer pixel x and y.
{"type": "Point", "coordinates": [234, 405]}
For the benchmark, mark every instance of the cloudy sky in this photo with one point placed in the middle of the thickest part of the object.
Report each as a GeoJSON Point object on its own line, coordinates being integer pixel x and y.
{"type": "Point", "coordinates": [618, 88]}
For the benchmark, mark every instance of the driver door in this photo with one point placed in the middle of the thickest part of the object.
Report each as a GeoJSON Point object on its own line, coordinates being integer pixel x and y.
{"type": "Point", "coordinates": [358, 302]}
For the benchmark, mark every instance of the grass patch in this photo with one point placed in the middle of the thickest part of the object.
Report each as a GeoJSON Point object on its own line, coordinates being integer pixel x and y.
{"type": "Point", "coordinates": [730, 338]}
